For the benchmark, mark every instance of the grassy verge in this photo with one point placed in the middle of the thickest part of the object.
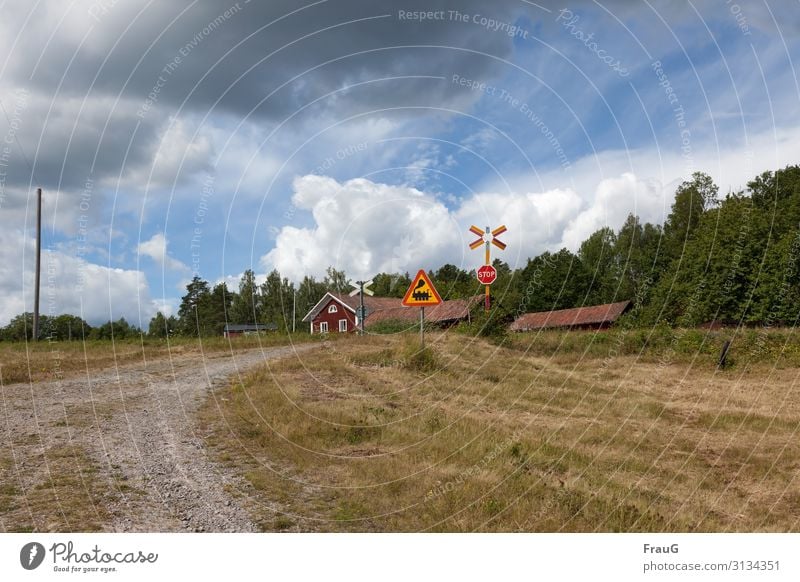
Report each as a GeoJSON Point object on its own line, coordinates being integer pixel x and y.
{"type": "Point", "coordinates": [56, 490]}
{"type": "Point", "coordinates": [769, 346]}
{"type": "Point", "coordinates": [369, 435]}
{"type": "Point", "coordinates": [32, 362]}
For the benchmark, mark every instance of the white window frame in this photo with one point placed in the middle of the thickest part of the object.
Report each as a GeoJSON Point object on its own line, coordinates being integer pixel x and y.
{"type": "Point", "coordinates": [323, 327]}
{"type": "Point", "coordinates": [342, 328]}
{"type": "Point", "coordinates": [333, 309]}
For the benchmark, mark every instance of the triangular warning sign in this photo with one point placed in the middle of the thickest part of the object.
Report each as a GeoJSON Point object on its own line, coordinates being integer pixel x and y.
{"type": "Point", "coordinates": [421, 293]}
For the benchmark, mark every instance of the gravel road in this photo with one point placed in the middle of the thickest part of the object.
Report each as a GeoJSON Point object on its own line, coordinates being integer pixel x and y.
{"type": "Point", "coordinates": [136, 424]}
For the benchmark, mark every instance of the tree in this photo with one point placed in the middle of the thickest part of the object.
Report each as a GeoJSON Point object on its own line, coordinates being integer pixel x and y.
{"type": "Point", "coordinates": [245, 305]}
{"type": "Point", "coordinates": [692, 198]}
{"type": "Point", "coordinates": [277, 296]}
{"type": "Point", "coordinates": [638, 258]}
{"type": "Point", "coordinates": [553, 281]}
{"type": "Point", "coordinates": [195, 309]}
{"type": "Point", "coordinates": [158, 326]}
{"type": "Point", "coordinates": [454, 283]}
{"type": "Point", "coordinates": [598, 258]}
{"type": "Point", "coordinates": [336, 281]}
{"type": "Point", "coordinates": [220, 306]}
{"type": "Point", "coordinates": [309, 292]}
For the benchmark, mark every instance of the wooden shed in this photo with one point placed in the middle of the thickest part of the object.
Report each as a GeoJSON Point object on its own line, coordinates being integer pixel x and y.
{"type": "Point", "coordinates": [593, 317]}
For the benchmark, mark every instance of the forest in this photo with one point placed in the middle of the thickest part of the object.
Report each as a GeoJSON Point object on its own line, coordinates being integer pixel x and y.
{"type": "Point", "coordinates": [730, 259]}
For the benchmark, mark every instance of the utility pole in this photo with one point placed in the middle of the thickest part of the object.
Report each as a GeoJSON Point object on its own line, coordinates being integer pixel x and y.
{"type": "Point", "coordinates": [38, 264]}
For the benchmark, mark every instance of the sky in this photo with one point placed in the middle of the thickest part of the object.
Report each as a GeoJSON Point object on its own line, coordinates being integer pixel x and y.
{"type": "Point", "coordinates": [174, 139]}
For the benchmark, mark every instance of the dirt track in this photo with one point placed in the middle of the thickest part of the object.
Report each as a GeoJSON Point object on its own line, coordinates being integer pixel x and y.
{"type": "Point", "coordinates": [129, 432]}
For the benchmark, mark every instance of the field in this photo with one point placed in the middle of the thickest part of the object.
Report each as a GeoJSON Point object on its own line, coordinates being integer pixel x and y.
{"type": "Point", "coordinates": [534, 434]}
{"type": "Point", "coordinates": [44, 360]}
{"type": "Point", "coordinates": [626, 430]}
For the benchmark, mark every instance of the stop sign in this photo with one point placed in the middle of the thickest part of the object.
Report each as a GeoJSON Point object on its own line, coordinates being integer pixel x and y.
{"type": "Point", "coordinates": [487, 274]}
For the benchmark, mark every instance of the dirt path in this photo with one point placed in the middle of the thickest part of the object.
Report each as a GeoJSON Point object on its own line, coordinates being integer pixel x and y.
{"type": "Point", "coordinates": [126, 437]}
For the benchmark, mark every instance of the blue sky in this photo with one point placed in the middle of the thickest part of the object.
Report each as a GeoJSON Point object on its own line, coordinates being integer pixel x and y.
{"type": "Point", "coordinates": [212, 137]}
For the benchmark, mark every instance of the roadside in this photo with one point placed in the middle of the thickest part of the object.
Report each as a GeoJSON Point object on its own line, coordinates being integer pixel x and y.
{"type": "Point", "coordinates": [117, 449]}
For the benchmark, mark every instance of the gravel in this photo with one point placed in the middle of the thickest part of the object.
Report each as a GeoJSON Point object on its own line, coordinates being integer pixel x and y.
{"type": "Point", "coordinates": [137, 424]}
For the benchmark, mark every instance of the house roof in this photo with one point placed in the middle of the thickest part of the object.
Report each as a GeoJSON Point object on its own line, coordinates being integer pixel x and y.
{"type": "Point", "coordinates": [596, 314]}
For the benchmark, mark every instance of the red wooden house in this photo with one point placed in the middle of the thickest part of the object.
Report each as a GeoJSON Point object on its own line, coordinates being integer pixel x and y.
{"type": "Point", "coordinates": [336, 313]}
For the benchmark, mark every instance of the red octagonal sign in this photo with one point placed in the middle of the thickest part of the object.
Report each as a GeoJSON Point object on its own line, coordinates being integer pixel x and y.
{"type": "Point", "coordinates": [487, 274]}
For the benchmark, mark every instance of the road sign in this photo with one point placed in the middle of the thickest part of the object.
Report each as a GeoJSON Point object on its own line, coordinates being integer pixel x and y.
{"type": "Point", "coordinates": [361, 312]}
{"type": "Point", "coordinates": [361, 286]}
{"type": "Point", "coordinates": [421, 292]}
{"type": "Point", "coordinates": [487, 274]}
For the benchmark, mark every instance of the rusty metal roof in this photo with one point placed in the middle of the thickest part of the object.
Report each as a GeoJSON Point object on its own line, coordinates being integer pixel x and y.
{"type": "Point", "coordinates": [594, 315]}
{"type": "Point", "coordinates": [451, 310]}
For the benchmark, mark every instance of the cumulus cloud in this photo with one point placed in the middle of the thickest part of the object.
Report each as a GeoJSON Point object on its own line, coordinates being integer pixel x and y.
{"type": "Point", "coordinates": [364, 227]}
{"type": "Point", "coordinates": [156, 249]}
{"type": "Point", "coordinates": [69, 284]}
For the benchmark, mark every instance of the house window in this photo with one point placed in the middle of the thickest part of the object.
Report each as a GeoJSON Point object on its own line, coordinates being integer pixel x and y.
{"type": "Point", "coordinates": [332, 309]}
{"type": "Point", "coordinates": [342, 325]}
{"type": "Point", "coordinates": [323, 327]}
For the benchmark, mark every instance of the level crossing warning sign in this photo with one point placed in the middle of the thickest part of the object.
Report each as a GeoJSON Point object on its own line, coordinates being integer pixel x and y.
{"type": "Point", "coordinates": [421, 292]}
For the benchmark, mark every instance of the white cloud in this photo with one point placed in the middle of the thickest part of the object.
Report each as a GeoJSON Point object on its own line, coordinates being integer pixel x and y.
{"type": "Point", "coordinates": [69, 285]}
{"type": "Point", "coordinates": [156, 249]}
{"type": "Point", "coordinates": [364, 228]}
{"type": "Point", "coordinates": [534, 220]}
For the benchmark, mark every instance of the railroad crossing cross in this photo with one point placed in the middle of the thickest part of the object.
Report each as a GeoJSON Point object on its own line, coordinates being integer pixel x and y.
{"type": "Point", "coordinates": [488, 237]}
{"type": "Point", "coordinates": [361, 288]}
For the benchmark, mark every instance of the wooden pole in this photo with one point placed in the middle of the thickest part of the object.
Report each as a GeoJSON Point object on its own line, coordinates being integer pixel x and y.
{"type": "Point", "coordinates": [38, 264]}
{"type": "Point", "coordinates": [362, 314]}
{"type": "Point", "coordinates": [488, 261]}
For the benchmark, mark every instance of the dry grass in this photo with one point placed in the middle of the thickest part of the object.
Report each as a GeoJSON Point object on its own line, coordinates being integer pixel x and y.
{"type": "Point", "coordinates": [360, 438]}
{"type": "Point", "coordinates": [56, 490]}
{"type": "Point", "coordinates": [36, 362]}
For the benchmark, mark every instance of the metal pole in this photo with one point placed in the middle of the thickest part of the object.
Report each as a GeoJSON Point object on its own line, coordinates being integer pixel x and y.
{"type": "Point", "coordinates": [38, 263]}
{"type": "Point", "coordinates": [422, 327]}
{"type": "Point", "coordinates": [294, 309]}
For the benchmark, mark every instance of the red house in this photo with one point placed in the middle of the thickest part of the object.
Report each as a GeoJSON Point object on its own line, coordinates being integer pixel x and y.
{"type": "Point", "coordinates": [336, 313]}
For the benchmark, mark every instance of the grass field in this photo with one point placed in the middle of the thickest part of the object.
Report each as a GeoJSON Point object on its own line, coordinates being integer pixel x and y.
{"type": "Point", "coordinates": [44, 360]}
{"type": "Point", "coordinates": [369, 434]}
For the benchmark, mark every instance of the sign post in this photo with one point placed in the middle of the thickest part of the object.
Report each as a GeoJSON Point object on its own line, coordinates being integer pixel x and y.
{"type": "Point", "coordinates": [361, 288]}
{"type": "Point", "coordinates": [421, 293]}
{"type": "Point", "coordinates": [487, 273]}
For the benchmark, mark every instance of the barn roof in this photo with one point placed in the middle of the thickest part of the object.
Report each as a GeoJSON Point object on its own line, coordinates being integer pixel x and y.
{"type": "Point", "coordinates": [451, 310]}
{"type": "Point", "coordinates": [596, 314]}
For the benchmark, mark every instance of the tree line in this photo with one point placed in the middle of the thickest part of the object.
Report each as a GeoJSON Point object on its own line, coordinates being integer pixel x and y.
{"type": "Point", "coordinates": [731, 259]}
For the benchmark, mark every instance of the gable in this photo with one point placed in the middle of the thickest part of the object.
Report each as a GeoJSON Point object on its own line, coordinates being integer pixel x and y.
{"type": "Point", "coordinates": [323, 304]}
